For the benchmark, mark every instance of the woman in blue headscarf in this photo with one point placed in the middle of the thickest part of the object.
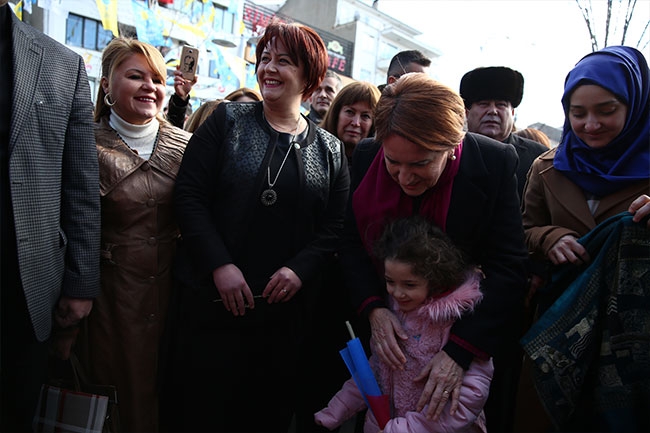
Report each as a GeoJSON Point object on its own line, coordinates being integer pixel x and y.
{"type": "Point", "coordinates": [600, 169]}
{"type": "Point", "coordinates": [602, 165]}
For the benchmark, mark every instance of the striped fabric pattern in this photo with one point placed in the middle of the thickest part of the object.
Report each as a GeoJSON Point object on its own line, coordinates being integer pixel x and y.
{"type": "Point", "coordinates": [62, 410]}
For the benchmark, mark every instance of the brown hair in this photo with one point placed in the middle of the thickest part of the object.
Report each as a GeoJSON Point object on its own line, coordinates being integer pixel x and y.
{"type": "Point", "coordinates": [243, 91]}
{"type": "Point", "coordinates": [535, 135]}
{"type": "Point", "coordinates": [115, 53]}
{"type": "Point", "coordinates": [422, 110]}
{"type": "Point", "coordinates": [200, 114]}
{"type": "Point", "coordinates": [358, 91]}
{"type": "Point", "coordinates": [305, 47]}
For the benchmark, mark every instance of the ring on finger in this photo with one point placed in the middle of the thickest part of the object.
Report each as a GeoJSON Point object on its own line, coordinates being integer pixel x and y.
{"type": "Point", "coordinates": [283, 291]}
{"type": "Point", "coordinates": [445, 393]}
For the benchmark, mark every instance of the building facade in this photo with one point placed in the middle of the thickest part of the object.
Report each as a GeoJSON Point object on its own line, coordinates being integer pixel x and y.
{"type": "Point", "coordinates": [360, 39]}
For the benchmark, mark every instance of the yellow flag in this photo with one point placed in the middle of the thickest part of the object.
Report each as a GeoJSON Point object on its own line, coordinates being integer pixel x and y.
{"type": "Point", "coordinates": [108, 13]}
{"type": "Point", "coordinates": [18, 10]}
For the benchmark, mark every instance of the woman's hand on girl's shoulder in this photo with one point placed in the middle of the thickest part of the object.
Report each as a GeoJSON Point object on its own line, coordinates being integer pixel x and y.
{"type": "Point", "coordinates": [385, 326]}
{"type": "Point", "coordinates": [444, 379]}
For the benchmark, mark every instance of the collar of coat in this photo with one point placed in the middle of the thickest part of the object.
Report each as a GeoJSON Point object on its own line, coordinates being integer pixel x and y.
{"type": "Point", "coordinates": [451, 305]}
{"type": "Point", "coordinates": [117, 160]}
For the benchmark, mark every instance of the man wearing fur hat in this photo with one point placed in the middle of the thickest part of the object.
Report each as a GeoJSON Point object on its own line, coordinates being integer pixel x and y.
{"type": "Point", "coordinates": [491, 96]}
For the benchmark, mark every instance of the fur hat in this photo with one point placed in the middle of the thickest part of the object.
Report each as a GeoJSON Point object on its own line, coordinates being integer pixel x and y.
{"type": "Point", "coordinates": [493, 83]}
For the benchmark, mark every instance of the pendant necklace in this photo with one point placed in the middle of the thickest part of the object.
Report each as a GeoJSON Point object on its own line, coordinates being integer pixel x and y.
{"type": "Point", "coordinates": [269, 196]}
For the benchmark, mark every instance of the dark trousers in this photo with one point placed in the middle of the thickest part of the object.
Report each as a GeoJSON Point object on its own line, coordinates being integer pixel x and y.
{"type": "Point", "coordinates": [23, 364]}
{"type": "Point", "coordinates": [500, 407]}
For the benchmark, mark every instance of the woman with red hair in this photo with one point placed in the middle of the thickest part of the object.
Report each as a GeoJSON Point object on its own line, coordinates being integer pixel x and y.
{"type": "Point", "coordinates": [260, 199]}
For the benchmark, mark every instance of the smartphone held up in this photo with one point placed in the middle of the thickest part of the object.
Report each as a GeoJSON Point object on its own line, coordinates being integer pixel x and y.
{"type": "Point", "coordinates": [189, 62]}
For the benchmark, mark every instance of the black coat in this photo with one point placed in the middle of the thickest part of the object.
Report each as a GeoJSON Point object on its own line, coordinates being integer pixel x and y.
{"type": "Point", "coordinates": [527, 150]}
{"type": "Point", "coordinates": [484, 221]}
{"type": "Point", "coordinates": [218, 191]}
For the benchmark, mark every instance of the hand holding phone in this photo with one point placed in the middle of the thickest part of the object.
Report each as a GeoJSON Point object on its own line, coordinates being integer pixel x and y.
{"type": "Point", "coordinates": [189, 62]}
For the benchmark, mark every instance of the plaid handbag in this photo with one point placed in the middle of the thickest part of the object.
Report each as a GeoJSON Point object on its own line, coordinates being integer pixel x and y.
{"type": "Point", "coordinates": [79, 408]}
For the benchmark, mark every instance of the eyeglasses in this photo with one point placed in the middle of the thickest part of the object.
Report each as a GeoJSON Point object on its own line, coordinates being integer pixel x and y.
{"type": "Point", "coordinates": [399, 62]}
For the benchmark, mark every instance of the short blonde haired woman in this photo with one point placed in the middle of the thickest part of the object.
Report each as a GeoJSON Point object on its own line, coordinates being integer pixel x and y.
{"type": "Point", "coordinates": [139, 156]}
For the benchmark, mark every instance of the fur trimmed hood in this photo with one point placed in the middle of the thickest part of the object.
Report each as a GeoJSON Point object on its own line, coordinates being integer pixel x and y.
{"type": "Point", "coordinates": [428, 331]}
{"type": "Point", "coordinates": [451, 305]}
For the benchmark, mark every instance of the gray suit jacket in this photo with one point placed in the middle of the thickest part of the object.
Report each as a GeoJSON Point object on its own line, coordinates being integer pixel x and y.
{"type": "Point", "coordinates": [53, 173]}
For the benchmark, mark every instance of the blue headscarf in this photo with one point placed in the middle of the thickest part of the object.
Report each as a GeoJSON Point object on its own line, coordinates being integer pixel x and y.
{"type": "Point", "coordinates": [626, 159]}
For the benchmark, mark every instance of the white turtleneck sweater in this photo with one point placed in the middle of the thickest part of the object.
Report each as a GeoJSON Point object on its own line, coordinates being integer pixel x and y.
{"type": "Point", "coordinates": [140, 138]}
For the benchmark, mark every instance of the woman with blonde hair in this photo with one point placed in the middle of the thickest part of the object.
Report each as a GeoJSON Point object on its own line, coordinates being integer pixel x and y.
{"type": "Point", "coordinates": [422, 162]}
{"type": "Point", "coordinates": [139, 156]}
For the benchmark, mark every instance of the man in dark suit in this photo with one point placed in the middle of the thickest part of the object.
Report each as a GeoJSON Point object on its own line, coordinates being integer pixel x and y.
{"type": "Point", "coordinates": [491, 96]}
{"type": "Point", "coordinates": [49, 207]}
{"type": "Point", "coordinates": [323, 96]}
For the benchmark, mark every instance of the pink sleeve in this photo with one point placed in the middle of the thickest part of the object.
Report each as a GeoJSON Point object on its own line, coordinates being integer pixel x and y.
{"type": "Point", "coordinates": [473, 395]}
{"type": "Point", "coordinates": [342, 406]}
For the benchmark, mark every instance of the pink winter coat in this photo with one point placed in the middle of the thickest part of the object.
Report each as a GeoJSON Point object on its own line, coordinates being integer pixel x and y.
{"type": "Point", "coordinates": [428, 329]}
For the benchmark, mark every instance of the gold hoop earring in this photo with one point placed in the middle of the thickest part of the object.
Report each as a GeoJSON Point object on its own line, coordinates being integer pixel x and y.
{"type": "Point", "coordinates": [107, 100]}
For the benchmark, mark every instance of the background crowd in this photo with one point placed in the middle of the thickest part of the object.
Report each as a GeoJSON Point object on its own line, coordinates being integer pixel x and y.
{"type": "Point", "coordinates": [204, 264]}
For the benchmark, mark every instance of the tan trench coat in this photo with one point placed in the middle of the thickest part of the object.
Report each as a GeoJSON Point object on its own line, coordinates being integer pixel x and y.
{"type": "Point", "coordinates": [554, 206]}
{"type": "Point", "coordinates": [139, 235]}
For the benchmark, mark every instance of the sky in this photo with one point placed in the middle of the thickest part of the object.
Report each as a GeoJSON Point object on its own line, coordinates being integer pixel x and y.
{"type": "Point", "coordinates": [542, 39]}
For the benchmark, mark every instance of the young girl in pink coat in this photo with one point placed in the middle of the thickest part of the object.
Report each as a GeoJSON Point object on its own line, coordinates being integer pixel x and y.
{"type": "Point", "coordinates": [429, 288]}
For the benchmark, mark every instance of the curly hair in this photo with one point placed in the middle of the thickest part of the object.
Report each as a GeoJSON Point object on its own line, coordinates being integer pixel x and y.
{"type": "Point", "coordinates": [431, 254]}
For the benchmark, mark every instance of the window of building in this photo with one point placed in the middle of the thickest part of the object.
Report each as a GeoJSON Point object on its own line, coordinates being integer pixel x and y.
{"type": "Point", "coordinates": [224, 21]}
{"type": "Point", "coordinates": [386, 51]}
{"type": "Point", "coordinates": [87, 33]}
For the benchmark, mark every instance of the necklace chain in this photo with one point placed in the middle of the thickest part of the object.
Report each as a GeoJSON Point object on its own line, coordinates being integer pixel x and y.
{"type": "Point", "coordinates": [269, 196]}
